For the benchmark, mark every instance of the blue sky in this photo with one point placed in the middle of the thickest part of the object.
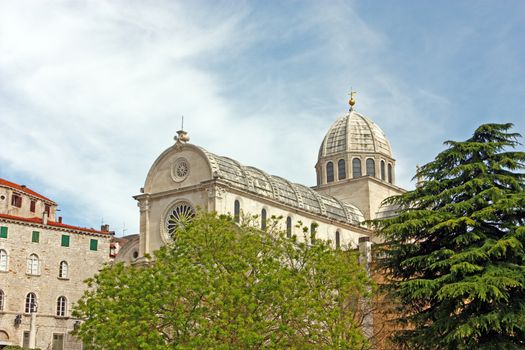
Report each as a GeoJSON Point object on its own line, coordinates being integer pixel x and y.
{"type": "Point", "coordinates": [92, 92]}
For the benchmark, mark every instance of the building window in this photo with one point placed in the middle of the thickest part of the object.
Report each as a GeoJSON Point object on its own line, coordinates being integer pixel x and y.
{"type": "Point", "coordinates": [47, 209]}
{"type": "Point", "coordinates": [288, 227]}
{"type": "Point", "coordinates": [64, 242]}
{"type": "Point", "coordinates": [30, 303]}
{"type": "Point", "coordinates": [356, 167]}
{"type": "Point", "coordinates": [3, 232]}
{"type": "Point", "coordinates": [383, 170]}
{"type": "Point", "coordinates": [370, 167]}
{"type": "Point", "coordinates": [58, 341]}
{"type": "Point", "coordinates": [32, 206]}
{"type": "Point", "coordinates": [16, 200]}
{"type": "Point", "coordinates": [390, 173]}
{"type": "Point", "coordinates": [313, 232]}
{"type": "Point", "coordinates": [35, 237]}
{"type": "Point", "coordinates": [61, 306]}
{"type": "Point", "coordinates": [2, 297]}
{"type": "Point", "coordinates": [3, 260]}
{"type": "Point", "coordinates": [93, 244]}
{"type": "Point", "coordinates": [25, 341]}
{"type": "Point", "coordinates": [263, 219]}
{"type": "Point", "coordinates": [341, 169]}
{"type": "Point", "coordinates": [337, 240]}
{"type": "Point", "coordinates": [237, 211]}
{"type": "Point", "coordinates": [33, 265]}
{"type": "Point", "coordinates": [63, 269]}
{"type": "Point", "coordinates": [180, 215]}
{"type": "Point", "coordinates": [329, 172]}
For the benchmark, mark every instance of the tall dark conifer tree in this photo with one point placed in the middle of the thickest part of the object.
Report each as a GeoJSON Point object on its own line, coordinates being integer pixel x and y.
{"type": "Point", "coordinates": [454, 256]}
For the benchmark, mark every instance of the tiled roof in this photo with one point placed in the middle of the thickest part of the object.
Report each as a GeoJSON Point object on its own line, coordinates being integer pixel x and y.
{"type": "Point", "coordinates": [256, 181]}
{"type": "Point", "coordinates": [52, 224]}
{"type": "Point", "coordinates": [18, 187]}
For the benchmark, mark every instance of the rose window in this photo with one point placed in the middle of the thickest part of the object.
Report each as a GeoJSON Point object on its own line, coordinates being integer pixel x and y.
{"type": "Point", "coordinates": [180, 169]}
{"type": "Point", "coordinates": [179, 216]}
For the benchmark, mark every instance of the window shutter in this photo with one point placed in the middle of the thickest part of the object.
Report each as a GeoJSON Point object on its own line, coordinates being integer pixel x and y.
{"type": "Point", "coordinates": [93, 244]}
{"type": "Point", "coordinates": [35, 237]}
{"type": "Point", "coordinates": [3, 232]}
{"type": "Point", "coordinates": [65, 241]}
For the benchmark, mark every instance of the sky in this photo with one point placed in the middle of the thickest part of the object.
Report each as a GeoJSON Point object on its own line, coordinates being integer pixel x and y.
{"type": "Point", "coordinates": [91, 92]}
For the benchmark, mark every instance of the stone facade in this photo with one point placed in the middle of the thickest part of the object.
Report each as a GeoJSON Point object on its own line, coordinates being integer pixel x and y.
{"type": "Point", "coordinates": [51, 260]}
{"type": "Point", "coordinates": [355, 173]}
{"type": "Point", "coordinates": [18, 200]}
{"type": "Point", "coordinates": [188, 177]}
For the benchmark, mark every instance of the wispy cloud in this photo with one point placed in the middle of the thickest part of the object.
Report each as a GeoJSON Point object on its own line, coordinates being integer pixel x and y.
{"type": "Point", "coordinates": [91, 92]}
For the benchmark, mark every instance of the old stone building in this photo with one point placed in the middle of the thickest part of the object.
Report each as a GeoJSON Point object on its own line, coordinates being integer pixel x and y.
{"type": "Point", "coordinates": [355, 172]}
{"type": "Point", "coordinates": [43, 263]}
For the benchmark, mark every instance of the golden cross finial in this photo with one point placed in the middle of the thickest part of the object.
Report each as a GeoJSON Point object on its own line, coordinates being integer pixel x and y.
{"type": "Point", "coordinates": [351, 102]}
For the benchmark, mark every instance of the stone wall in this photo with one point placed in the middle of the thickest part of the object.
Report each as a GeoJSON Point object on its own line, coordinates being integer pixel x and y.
{"type": "Point", "coordinates": [16, 282]}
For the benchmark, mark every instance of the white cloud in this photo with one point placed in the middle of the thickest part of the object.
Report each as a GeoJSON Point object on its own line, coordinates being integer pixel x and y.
{"type": "Point", "coordinates": [95, 89]}
{"type": "Point", "coordinates": [92, 92]}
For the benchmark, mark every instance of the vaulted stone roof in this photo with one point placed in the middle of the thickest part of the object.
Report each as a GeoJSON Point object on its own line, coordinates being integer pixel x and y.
{"type": "Point", "coordinates": [354, 133]}
{"type": "Point", "coordinates": [256, 181]}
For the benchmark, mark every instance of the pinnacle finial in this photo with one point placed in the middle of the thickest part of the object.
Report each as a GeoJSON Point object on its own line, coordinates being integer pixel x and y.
{"type": "Point", "coordinates": [182, 136]}
{"type": "Point", "coordinates": [351, 102]}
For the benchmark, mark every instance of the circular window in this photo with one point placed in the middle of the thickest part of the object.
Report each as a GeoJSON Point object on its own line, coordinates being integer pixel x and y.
{"type": "Point", "coordinates": [181, 214]}
{"type": "Point", "coordinates": [180, 169]}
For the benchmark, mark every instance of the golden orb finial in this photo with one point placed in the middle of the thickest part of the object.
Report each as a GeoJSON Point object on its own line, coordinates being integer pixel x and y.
{"type": "Point", "coordinates": [351, 101]}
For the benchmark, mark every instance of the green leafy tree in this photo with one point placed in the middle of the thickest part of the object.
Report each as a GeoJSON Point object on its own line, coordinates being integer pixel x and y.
{"type": "Point", "coordinates": [454, 256]}
{"type": "Point", "coordinates": [225, 286]}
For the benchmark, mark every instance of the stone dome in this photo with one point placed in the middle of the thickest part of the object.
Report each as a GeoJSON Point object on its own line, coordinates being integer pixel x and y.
{"type": "Point", "coordinates": [354, 133]}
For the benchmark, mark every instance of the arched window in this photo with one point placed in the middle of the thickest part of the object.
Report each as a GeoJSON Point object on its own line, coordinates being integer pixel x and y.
{"type": "Point", "coordinates": [341, 169]}
{"type": "Point", "coordinates": [390, 173]}
{"type": "Point", "coordinates": [2, 297]}
{"type": "Point", "coordinates": [33, 265]}
{"type": "Point", "coordinates": [30, 303]}
{"type": "Point", "coordinates": [370, 167]}
{"type": "Point", "coordinates": [3, 260]}
{"type": "Point", "coordinates": [288, 227]}
{"type": "Point", "coordinates": [329, 172]}
{"type": "Point", "coordinates": [337, 240]}
{"type": "Point", "coordinates": [383, 170]}
{"type": "Point", "coordinates": [356, 167]}
{"type": "Point", "coordinates": [61, 306]}
{"type": "Point", "coordinates": [313, 232]}
{"type": "Point", "coordinates": [263, 219]}
{"type": "Point", "coordinates": [237, 211]}
{"type": "Point", "coordinates": [63, 269]}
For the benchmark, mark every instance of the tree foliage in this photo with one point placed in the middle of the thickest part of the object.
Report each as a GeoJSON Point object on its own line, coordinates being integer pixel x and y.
{"type": "Point", "coordinates": [454, 256]}
{"type": "Point", "coordinates": [225, 286]}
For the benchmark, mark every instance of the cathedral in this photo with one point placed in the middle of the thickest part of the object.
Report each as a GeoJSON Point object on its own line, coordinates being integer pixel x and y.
{"type": "Point", "coordinates": [355, 173]}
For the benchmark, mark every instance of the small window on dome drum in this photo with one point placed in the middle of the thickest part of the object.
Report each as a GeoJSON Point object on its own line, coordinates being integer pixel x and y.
{"type": "Point", "coordinates": [341, 168]}
{"type": "Point", "coordinates": [390, 173]}
{"type": "Point", "coordinates": [370, 167]}
{"type": "Point", "coordinates": [356, 167]}
{"type": "Point", "coordinates": [383, 170]}
{"type": "Point", "coordinates": [329, 172]}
